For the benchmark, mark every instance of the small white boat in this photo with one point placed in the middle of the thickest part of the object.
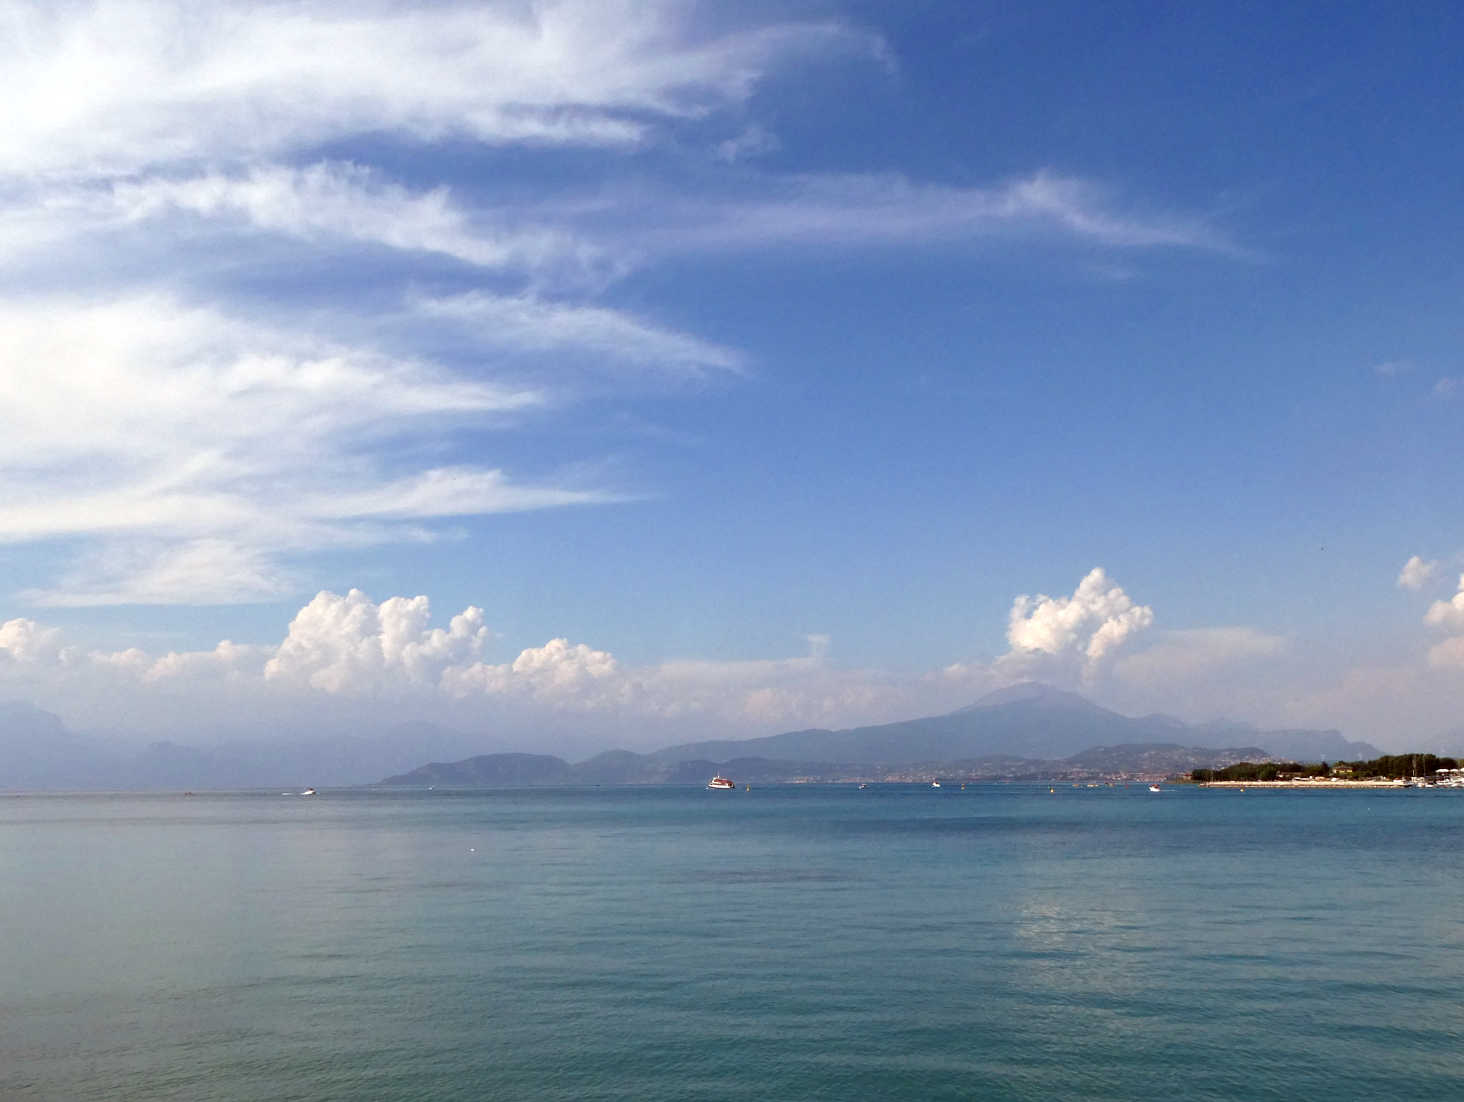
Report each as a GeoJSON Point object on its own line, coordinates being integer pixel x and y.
{"type": "Point", "coordinates": [1154, 788]}
{"type": "Point", "coordinates": [720, 782]}
{"type": "Point", "coordinates": [935, 784]}
{"type": "Point", "coordinates": [308, 792]}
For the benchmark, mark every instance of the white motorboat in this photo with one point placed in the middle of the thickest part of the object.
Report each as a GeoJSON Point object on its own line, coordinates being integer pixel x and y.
{"type": "Point", "coordinates": [721, 783]}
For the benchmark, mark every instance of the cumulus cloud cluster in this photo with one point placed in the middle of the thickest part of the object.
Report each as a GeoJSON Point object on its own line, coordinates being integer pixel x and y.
{"type": "Point", "coordinates": [1444, 616]}
{"type": "Point", "coordinates": [1090, 625]}
{"type": "Point", "coordinates": [346, 650]}
{"type": "Point", "coordinates": [351, 645]}
{"type": "Point", "coordinates": [23, 640]}
{"type": "Point", "coordinates": [346, 658]}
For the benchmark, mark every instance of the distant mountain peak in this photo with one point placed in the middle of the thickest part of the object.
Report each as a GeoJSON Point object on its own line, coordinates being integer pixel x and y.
{"type": "Point", "coordinates": [1033, 693]}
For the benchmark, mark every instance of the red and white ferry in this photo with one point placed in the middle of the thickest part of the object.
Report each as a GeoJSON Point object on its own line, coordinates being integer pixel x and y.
{"type": "Point", "coordinates": [720, 781]}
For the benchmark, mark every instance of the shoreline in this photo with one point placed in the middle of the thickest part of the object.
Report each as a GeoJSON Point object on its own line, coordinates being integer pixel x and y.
{"type": "Point", "coordinates": [1328, 783]}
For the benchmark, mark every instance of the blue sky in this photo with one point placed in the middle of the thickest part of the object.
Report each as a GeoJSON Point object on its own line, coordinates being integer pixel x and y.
{"type": "Point", "coordinates": [725, 369]}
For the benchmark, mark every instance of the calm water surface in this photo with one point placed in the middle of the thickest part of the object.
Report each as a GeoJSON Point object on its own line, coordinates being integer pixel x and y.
{"type": "Point", "coordinates": [1000, 942]}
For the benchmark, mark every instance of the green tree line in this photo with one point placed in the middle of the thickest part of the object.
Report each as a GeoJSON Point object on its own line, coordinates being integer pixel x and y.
{"type": "Point", "coordinates": [1387, 767]}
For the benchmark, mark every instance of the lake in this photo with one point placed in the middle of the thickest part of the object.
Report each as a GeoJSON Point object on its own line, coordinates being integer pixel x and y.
{"type": "Point", "coordinates": [788, 942]}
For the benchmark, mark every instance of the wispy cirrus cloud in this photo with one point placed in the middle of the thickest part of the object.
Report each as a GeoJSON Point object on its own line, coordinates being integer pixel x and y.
{"type": "Point", "coordinates": [530, 324]}
{"type": "Point", "coordinates": [197, 433]}
{"type": "Point", "coordinates": [590, 240]}
{"type": "Point", "coordinates": [891, 209]}
{"type": "Point", "coordinates": [114, 87]}
{"type": "Point", "coordinates": [343, 201]}
{"type": "Point", "coordinates": [200, 447]}
{"type": "Point", "coordinates": [209, 571]}
{"type": "Point", "coordinates": [189, 438]}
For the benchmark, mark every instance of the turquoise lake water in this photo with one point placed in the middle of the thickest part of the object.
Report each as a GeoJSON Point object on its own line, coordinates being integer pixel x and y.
{"type": "Point", "coordinates": [798, 942]}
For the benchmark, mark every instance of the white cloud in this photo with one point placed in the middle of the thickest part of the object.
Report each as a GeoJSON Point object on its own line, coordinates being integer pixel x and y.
{"type": "Point", "coordinates": [560, 672]}
{"type": "Point", "coordinates": [23, 640]}
{"type": "Point", "coordinates": [346, 652]}
{"type": "Point", "coordinates": [343, 201]}
{"type": "Point", "coordinates": [1448, 653]}
{"type": "Point", "coordinates": [1079, 206]}
{"type": "Point", "coordinates": [448, 492]}
{"type": "Point", "coordinates": [1417, 573]}
{"type": "Point", "coordinates": [528, 324]}
{"type": "Point", "coordinates": [1448, 614]}
{"type": "Point", "coordinates": [111, 87]}
{"type": "Point", "coordinates": [193, 572]}
{"type": "Point", "coordinates": [891, 209]}
{"type": "Point", "coordinates": [588, 240]}
{"type": "Point", "coordinates": [560, 663]}
{"type": "Point", "coordinates": [229, 662]}
{"type": "Point", "coordinates": [1389, 369]}
{"type": "Point", "coordinates": [153, 377]}
{"type": "Point", "coordinates": [201, 447]}
{"type": "Point", "coordinates": [1091, 625]}
{"type": "Point", "coordinates": [347, 661]}
{"type": "Point", "coordinates": [350, 645]}
{"type": "Point", "coordinates": [193, 453]}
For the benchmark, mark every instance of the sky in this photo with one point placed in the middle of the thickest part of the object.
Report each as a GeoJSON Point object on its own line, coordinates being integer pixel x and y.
{"type": "Point", "coordinates": [593, 374]}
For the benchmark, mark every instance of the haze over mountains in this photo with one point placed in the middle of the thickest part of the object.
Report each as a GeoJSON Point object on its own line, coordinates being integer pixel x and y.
{"type": "Point", "coordinates": [1022, 730]}
{"type": "Point", "coordinates": [1028, 720]}
{"type": "Point", "coordinates": [1025, 730]}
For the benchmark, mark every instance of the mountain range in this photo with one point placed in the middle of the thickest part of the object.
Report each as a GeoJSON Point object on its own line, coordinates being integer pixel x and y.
{"type": "Point", "coordinates": [1025, 730]}
{"type": "Point", "coordinates": [1028, 720]}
